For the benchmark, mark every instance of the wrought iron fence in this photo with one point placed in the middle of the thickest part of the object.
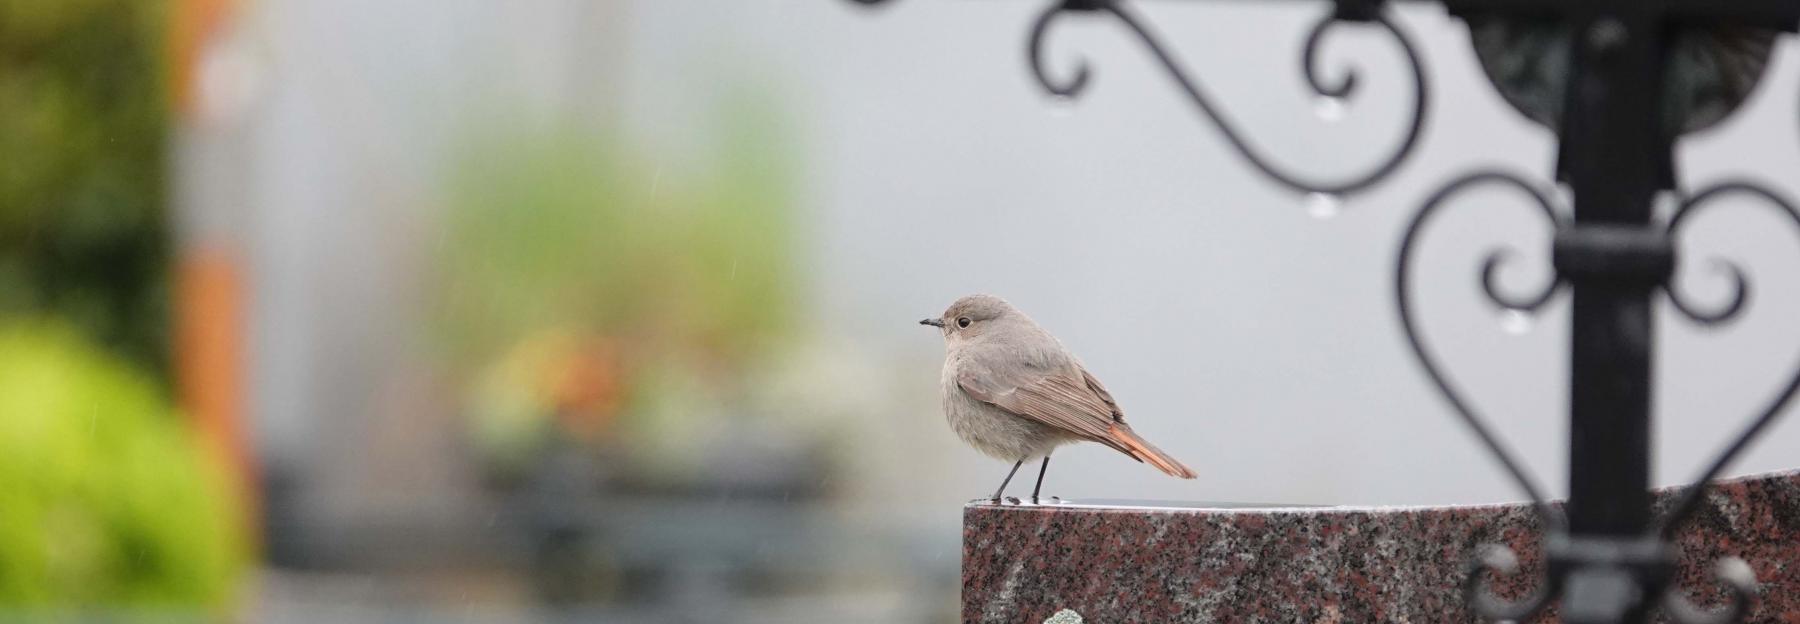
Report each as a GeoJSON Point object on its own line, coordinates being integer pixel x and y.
{"type": "Point", "coordinates": [1607, 77]}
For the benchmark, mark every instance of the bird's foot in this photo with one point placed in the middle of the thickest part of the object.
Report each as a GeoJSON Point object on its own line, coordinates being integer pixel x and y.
{"type": "Point", "coordinates": [1012, 500]}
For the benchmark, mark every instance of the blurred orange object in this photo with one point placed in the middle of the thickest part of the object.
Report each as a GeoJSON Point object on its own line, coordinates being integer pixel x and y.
{"type": "Point", "coordinates": [209, 366]}
{"type": "Point", "coordinates": [208, 292]}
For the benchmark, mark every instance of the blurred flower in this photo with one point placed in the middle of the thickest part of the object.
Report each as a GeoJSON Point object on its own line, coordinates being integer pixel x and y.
{"type": "Point", "coordinates": [609, 297]}
{"type": "Point", "coordinates": [587, 388]}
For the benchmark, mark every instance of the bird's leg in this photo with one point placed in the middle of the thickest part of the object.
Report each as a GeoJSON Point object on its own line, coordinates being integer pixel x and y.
{"type": "Point", "coordinates": [1009, 477]}
{"type": "Point", "coordinates": [1040, 481]}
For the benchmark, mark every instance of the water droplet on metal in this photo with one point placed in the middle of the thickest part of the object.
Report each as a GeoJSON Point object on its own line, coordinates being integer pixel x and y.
{"type": "Point", "coordinates": [1328, 108]}
{"type": "Point", "coordinates": [1516, 322]}
{"type": "Point", "coordinates": [1323, 205]}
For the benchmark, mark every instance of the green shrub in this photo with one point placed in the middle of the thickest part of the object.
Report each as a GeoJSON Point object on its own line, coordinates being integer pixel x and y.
{"type": "Point", "coordinates": [105, 501]}
{"type": "Point", "coordinates": [83, 122]}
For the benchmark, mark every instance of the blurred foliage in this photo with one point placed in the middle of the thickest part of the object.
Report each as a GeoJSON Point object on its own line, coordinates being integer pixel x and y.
{"type": "Point", "coordinates": [83, 118]}
{"type": "Point", "coordinates": [107, 502]}
{"type": "Point", "coordinates": [579, 276]}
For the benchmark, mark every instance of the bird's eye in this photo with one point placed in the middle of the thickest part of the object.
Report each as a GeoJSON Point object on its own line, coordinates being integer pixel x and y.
{"type": "Point", "coordinates": [962, 322]}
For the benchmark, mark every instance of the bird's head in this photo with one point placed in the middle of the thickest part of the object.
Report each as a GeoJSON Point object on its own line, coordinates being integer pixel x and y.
{"type": "Point", "coordinates": [970, 316]}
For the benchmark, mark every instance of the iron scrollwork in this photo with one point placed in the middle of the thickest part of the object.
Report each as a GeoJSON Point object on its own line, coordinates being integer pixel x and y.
{"type": "Point", "coordinates": [1343, 87]}
{"type": "Point", "coordinates": [1737, 576]}
{"type": "Point", "coordinates": [1734, 573]}
{"type": "Point", "coordinates": [1690, 502]}
{"type": "Point", "coordinates": [1495, 559]}
{"type": "Point", "coordinates": [1648, 557]}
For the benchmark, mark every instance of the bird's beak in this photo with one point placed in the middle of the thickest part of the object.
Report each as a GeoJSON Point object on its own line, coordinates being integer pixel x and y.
{"type": "Point", "coordinates": [932, 322]}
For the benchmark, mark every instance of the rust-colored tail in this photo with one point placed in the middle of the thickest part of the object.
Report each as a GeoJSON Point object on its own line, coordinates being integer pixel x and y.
{"type": "Point", "coordinates": [1144, 452]}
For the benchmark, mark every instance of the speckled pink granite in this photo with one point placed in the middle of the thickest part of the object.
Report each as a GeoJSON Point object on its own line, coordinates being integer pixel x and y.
{"type": "Point", "coordinates": [1118, 565]}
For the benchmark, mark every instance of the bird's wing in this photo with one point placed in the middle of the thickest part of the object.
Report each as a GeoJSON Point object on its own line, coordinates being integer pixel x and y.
{"type": "Point", "coordinates": [1093, 384]}
{"type": "Point", "coordinates": [1057, 399]}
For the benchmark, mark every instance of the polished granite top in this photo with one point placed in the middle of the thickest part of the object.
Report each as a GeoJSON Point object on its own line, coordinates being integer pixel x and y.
{"type": "Point", "coordinates": [1156, 561]}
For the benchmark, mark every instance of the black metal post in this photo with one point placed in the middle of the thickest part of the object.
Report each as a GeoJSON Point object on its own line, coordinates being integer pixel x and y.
{"type": "Point", "coordinates": [1614, 158]}
{"type": "Point", "coordinates": [1613, 161]}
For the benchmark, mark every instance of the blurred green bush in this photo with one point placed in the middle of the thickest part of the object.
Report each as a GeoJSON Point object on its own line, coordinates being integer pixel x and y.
{"type": "Point", "coordinates": [105, 500]}
{"type": "Point", "coordinates": [83, 119]}
{"type": "Point", "coordinates": [566, 225]}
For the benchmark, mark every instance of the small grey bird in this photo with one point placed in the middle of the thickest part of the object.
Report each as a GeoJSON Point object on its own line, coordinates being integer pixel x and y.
{"type": "Point", "coordinates": [1012, 391]}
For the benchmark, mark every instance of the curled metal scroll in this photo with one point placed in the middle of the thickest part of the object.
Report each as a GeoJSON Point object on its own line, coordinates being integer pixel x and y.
{"type": "Point", "coordinates": [1494, 558]}
{"type": "Point", "coordinates": [1740, 286]}
{"type": "Point", "coordinates": [1490, 267]}
{"type": "Point", "coordinates": [1737, 577]}
{"type": "Point", "coordinates": [1035, 54]}
{"type": "Point", "coordinates": [1690, 501]}
{"type": "Point", "coordinates": [1500, 560]}
{"type": "Point", "coordinates": [1403, 296]}
{"type": "Point", "coordinates": [1343, 87]}
{"type": "Point", "coordinates": [1740, 293]}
